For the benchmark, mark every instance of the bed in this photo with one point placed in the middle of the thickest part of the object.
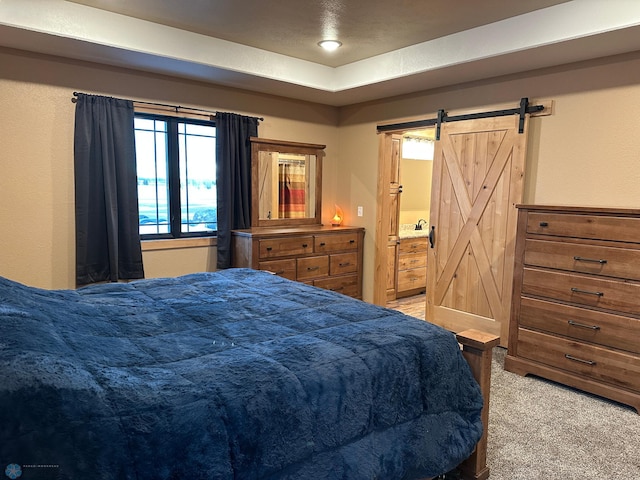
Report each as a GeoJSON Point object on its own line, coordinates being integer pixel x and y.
{"type": "Point", "coordinates": [236, 374]}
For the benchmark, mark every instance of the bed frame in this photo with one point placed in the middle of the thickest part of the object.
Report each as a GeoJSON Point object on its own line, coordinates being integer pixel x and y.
{"type": "Point", "coordinates": [477, 350]}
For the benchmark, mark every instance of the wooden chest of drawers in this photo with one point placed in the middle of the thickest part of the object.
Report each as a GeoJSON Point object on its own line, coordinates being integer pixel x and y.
{"type": "Point", "coordinates": [412, 266]}
{"type": "Point", "coordinates": [327, 257]}
{"type": "Point", "coordinates": [575, 317]}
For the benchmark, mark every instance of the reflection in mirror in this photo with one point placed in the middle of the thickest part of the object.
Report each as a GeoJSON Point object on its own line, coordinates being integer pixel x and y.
{"type": "Point", "coordinates": [286, 183]}
{"type": "Point", "coordinates": [287, 187]}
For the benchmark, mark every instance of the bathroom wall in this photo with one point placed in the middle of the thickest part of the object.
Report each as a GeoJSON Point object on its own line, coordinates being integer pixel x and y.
{"type": "Point", "coordinates": [415, 200]}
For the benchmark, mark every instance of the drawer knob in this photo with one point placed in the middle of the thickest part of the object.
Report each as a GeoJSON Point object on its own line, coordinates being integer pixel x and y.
{"type": "Point", "coordinates": [352, 241]}
{"type": "Point", "coordinates": [322, 244]}
{"type": "Point", "coordinates": [269, 249]}
{"type": "Point", "coordinates": [593, 260]}
{"type": "Point", "coordinates": [587, 292]}
{"type": "Point", "coordinates": [582, 325]}
{"type": "Point", "coordinates": [544, 224]}
{"type": "Point", "coordinates": [311, 269]}
{"type": "Point", "coordinates": [345, 264]}
{"type": "Point", "coordinates": [576, 359]}
{"type": "Point", "coordinates": [305, 245]}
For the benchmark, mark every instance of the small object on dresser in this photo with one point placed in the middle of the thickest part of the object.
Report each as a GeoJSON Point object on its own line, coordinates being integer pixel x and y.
{"type": "Point", "coordinates": [336, 221]}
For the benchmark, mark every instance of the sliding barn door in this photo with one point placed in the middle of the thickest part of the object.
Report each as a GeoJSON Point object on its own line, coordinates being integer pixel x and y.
{"type": "Point", "coordinates": [478, 179]}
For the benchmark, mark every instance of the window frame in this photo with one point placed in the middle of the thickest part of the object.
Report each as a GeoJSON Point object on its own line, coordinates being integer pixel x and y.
{"type": "Point", "coordinates": [173, 177]}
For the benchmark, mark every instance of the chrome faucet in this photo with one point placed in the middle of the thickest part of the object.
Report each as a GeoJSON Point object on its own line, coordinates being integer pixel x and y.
{"type": "Point", "coordinates": [419, 224]}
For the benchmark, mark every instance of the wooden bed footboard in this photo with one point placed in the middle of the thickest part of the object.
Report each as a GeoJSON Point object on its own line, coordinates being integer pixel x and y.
{"type": "Point", "coordinates": [477, 350]}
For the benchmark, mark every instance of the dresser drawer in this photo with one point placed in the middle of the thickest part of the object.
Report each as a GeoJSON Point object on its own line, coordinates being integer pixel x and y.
{"type": "Point", "coordinates": [343, 263]}
{"type": "Point", "coordinates": [584, 290]}
{"type": "Point", "coordinates": [335, 242]}
{"type": "Point", "coordinates": [346, 284]}
{"type": "Point", "coordinates": [577, 257]}
{"type": "Point", "coordinates": [414, 260]}
{"type": "Point", "coordinates": [592, 326]}
{"type": "Point", "coordinates": [413, 245]}
{"type": "Point", "coordinates": [281, 247]}
{"type": "Point", "coordinates": [599, 227]}
{"type": "Point", "coordinates": [283, 268]}
{"type": "Point", "coordinates": [612, 367]}
{"type": "Point", "coordinates": [311, 267]}
{"type": "Point", "coordinates": [413, 278]}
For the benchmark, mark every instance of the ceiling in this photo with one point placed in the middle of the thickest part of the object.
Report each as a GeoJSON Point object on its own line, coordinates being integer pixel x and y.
{"type": "Point", "coordinates": [294, 27]}
{"type": "Point", "coordinates": [389, 48]}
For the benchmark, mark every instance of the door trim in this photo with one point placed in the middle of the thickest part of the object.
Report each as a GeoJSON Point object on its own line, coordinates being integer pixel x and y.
{"type": "Point", "coordinates": [383, 217]}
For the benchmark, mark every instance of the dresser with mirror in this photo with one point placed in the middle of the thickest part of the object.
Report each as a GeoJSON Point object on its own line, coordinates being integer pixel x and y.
{"type": "Point", "coordinates": [287, 237]}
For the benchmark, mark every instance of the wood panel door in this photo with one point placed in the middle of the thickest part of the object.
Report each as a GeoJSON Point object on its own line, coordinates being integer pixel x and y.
{"type": "Point", "coordinates": [478, 179]}
{"type": "Point", "coordinates": [393, 233]}
{"type": "Point", "coordinates": [387, 228]}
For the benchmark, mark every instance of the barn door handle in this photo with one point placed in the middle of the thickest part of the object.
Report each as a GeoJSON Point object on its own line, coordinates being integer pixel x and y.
{"type": "Point", "coordinates": [432, 236]}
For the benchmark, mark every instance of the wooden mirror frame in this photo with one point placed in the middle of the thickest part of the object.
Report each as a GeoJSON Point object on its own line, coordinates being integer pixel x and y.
{"type": "Point", "coordinates": [267, 145]}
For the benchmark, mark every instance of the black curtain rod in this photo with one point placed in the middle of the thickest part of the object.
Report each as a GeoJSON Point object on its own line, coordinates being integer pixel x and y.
{"type": "Point", "coordinates": [174, 107]}
{"type": "Point", "coordinates": [523, 109]}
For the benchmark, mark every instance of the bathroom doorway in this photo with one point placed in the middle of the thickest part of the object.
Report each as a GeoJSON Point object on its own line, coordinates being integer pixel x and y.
{"type": "Point", "coordinates": [415, 177]}
{"type": "Point", "coordinates": [400, 264]}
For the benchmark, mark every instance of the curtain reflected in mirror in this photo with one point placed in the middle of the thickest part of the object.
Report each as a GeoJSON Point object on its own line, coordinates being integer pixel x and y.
{"type": "Point", "coordinates": [287, 185]}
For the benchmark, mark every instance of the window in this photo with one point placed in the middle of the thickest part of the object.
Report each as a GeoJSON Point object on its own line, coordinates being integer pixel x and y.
{"type": "Point", "coordinates": [417, 148]}
{"type": "Point", "coordinates": [176, 167]}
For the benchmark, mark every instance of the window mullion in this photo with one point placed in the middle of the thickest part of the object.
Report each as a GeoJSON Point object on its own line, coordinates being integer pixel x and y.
{"type": "Point", "coordinates": [186, 179]}
{"type": "Point", "coordinates": [174, 177]}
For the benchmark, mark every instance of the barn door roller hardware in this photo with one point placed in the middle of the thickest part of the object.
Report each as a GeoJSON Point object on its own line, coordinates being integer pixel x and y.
{"type": "Point", "coordinates": [442, 117]}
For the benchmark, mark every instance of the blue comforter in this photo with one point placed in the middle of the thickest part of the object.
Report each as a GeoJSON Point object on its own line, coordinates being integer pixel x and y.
{"type": "Point", "coordinates": [236, 374]}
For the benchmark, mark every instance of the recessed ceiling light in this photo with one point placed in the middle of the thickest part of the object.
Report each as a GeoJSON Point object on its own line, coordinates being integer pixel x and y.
{"type": "Point", "coordinates": [330, 45]}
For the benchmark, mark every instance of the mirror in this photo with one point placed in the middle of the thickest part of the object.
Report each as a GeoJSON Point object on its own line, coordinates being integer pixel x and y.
{"type": "Point", "coordinates": [286, 189]}
{"type": "Point", "coordinates": [286, 183]}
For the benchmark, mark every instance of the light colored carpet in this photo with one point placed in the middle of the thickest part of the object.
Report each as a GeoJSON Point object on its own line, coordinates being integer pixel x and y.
{"type": "Point", "coordinates": [542, 430]}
